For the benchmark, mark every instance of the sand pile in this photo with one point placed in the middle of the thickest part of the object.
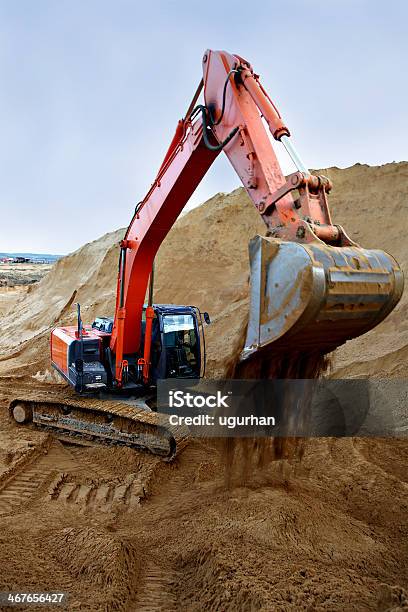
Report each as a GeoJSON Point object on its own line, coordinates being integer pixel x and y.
{"type": "Point", "coordinates": [201, 248]}
{"type": "Point", "coordinates": [86, 276]}
{"type": "Point", "coordinates": [110, 564]}
{"type": "Point", "coordinates": [328, 533]}
{"type": "Point", "coordinates": [370, 202]}
{"type": "Point", "coordinates": [329, 537]}
{"type": "Point", "coordinates": [204, 261]}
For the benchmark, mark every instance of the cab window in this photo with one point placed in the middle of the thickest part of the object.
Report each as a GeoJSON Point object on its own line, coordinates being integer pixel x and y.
{"type": "Point", "coordinates": [180, 341]}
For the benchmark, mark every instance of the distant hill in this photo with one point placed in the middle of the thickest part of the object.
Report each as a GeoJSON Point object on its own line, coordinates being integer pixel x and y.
{"type": "Point", "coordinates": [34, 256]}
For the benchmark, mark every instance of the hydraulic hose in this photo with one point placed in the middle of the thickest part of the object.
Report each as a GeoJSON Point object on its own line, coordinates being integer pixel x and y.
{"type": "Point", "coordinates": [208, 120]}
{"type": "Point", "coordinates": [207, 143]}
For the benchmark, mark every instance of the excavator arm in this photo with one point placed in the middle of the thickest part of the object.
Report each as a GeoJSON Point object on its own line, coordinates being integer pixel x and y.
{"type": "Point", "coordinates": [235, 117]}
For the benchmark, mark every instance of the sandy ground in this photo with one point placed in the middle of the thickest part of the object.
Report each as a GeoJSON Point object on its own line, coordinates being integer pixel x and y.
{"type": "Point", "coordinates": [14, 274]}
{"type": "Point", "coordinates": [16, 280]}
{"type": "Point", "coordinates": [9, 296]}
{"type": "Point", "coordinates": [120, 530]}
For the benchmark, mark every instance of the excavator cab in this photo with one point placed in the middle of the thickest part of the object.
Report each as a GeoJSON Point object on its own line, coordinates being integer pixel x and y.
{"type": "Point", "coordinates": [177, 344]}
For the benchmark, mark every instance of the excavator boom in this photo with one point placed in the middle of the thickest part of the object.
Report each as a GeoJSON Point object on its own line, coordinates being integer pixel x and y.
{"type": "Point", "coordinates": [339, 290]}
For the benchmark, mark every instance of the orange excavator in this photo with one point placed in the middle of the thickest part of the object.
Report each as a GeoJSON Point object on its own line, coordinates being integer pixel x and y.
{"type": "Point", "coordinates": [312, 287]}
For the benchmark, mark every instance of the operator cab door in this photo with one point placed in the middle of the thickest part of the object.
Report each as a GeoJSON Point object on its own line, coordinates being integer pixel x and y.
{"type": "Point", "coordinates": [180, 346]}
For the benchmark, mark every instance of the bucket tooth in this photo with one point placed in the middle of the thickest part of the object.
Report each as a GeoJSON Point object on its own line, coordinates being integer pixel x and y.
{"type": "Point", "coordinates": [315, 296]}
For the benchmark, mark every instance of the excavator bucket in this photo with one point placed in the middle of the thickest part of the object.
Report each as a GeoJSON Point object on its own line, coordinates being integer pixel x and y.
{"type": "Point", "coordinates": [314, 296]}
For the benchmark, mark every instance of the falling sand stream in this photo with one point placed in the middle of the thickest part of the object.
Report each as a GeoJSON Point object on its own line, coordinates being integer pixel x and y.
{"type": "Point", "coordinates": [244, 455]}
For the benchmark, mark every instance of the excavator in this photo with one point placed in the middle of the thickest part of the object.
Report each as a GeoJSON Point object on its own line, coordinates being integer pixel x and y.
{"type": "Point", "coordinates": [311, 286]}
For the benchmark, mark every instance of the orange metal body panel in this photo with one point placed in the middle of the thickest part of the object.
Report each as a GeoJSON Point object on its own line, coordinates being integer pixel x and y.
{"type": "Point", "coordinates": [148, 342]}
{"type": "Point", "coordinates": [59, 353]}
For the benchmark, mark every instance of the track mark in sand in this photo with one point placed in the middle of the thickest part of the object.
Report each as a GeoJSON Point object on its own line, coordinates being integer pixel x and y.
{"type": "Point", "coordinates": [21, 488]}
{"type": "Point", "coordinates": [27, 482]}
{"type": "Point", "coordinates": [155, 592]}
{"type": "Point", "coordinates": [125, 495]}
{"type": "Point", "coordinates": [82, 455]}
{"type": "Point", "coordinates": [69, 475]}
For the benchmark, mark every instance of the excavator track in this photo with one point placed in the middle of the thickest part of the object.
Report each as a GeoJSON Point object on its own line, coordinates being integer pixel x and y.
{"type": "Point", "coordinates": [89, 420]}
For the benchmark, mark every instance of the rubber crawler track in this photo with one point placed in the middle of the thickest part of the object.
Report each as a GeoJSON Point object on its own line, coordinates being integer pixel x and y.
{"type": "Point", "coordinates": [104, 421]}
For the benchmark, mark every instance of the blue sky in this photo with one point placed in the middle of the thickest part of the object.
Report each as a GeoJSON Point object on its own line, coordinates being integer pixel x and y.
{"type": "Point", "coordinates": [91, 92]}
